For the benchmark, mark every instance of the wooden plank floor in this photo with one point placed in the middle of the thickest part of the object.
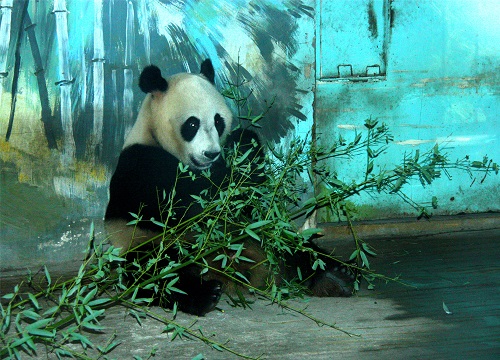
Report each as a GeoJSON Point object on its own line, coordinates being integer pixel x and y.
{"type": "Point", "coordinates": [460, 269]}
{"type": "Point", "coordinates": [392, 322]}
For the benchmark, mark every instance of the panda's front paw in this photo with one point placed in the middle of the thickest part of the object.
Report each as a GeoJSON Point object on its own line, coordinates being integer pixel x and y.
{"type": "Point", "coordinates": [212, 291]}
{"type": "Point", "coordinates": [202, 299]}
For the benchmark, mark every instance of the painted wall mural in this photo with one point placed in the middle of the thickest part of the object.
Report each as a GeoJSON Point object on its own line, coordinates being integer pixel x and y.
{"type": "Point", "coordinates": [86, 55]}
{"type": "Point", "coordinates": [69, 94]}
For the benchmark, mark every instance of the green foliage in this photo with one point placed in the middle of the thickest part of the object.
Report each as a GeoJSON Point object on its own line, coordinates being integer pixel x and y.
{"type": "Point", "coordinates": [58, 313]}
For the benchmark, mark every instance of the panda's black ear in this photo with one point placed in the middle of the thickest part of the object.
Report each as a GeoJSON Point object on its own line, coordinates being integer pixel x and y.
{"type": "Point", "coordinates": [207, 70]}
{"type": "Point", "coordinates": [151, 80]}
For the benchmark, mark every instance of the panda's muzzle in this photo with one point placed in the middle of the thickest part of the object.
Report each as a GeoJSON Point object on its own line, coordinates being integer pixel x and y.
{"type": "Point", "coordinates": [210, 156]}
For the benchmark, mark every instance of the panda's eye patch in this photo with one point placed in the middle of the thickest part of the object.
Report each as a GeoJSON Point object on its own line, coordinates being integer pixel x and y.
{"type": "Point", "coordinates": [190, 128]}
{"type": "Point", "coordinates": [220, 124]}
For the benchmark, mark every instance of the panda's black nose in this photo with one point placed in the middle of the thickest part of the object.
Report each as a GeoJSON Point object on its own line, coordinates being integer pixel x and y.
{"type": "Point", "coordinates": [212, 155]}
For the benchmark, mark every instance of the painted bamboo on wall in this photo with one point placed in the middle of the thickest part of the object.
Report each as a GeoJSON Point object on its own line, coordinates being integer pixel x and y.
{"type": "Point", "coordinates": [47, 117]}
{"type": "Point", "coordinates": [65, 82]}
{"type": "Point", "coordinates": [128, 92]}
{"type": "Point", "coordinates": [16, 69]}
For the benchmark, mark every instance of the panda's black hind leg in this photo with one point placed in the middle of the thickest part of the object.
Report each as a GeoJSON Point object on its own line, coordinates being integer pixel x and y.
{"type": "Point", "coordinates": [336, 280]}
{"type": "Point", "coordinates": [333, 283]}
{"type": "Point", "coordinates": [201, 296]}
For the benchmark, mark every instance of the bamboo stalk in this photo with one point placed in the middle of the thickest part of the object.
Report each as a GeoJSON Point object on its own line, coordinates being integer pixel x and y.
{"type": "Point", "coordinates": [128, 94]}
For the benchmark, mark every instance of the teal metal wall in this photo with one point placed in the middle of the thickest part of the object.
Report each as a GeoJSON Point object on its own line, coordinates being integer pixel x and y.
{"type": "Point", "coordinates": [430, 70]}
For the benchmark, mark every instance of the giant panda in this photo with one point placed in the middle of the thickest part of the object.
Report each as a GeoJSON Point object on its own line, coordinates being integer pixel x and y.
{"type": "Point", "coordinates": [185, 120]}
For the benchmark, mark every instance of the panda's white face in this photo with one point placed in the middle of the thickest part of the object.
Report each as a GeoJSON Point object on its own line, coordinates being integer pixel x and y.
{"type": "Point", "coordinates": [199, 118]}
{"type": "Point", "coordinates": [189, 120]}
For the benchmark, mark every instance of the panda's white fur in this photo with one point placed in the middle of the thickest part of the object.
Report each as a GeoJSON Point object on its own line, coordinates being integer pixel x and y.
{"type": "Point", "coordinates": [162, 114]}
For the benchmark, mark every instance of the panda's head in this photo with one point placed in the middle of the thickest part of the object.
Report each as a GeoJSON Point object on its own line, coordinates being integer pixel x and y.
{"type": "Point", "coordinates": [184, 114]}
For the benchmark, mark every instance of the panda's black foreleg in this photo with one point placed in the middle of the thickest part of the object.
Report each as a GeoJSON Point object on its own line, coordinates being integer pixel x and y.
{"type": "Point", "coordinates": [197, 296]}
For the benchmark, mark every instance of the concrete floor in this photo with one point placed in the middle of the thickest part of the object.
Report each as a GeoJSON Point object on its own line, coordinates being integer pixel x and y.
{"type": "Point", "coordinates": [391, 322]}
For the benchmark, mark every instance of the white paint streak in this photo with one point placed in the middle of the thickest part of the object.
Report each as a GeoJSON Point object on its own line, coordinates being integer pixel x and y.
{"type": "Point", "coordinates": [413, 142]}
{"type": "Point", "coordinates": [349, 126]}
{"type": "Point", "coordinates": [143, 17]}
{"type": "Point", "coordinates": [462, 140]}
{"type": "Point", "coordinates": [166, 15]}
{"type": "Point", "coordinates": [98, 71]}
{"type": "Point", "coordinates": [129, 35]}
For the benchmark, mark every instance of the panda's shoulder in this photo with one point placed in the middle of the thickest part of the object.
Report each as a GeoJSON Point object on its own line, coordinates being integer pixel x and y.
{"type": "Point", "coordinates": [138, 159]}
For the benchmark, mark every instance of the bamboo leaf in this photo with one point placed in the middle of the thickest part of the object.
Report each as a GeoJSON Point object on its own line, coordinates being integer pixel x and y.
{"type": "Point", "coordinates": [160, 224]}
{"type": "Point", "coordinates": [47, 276]}
{"type": "Point", "coordinates": [93, 327]}
{"type": "Point", "coordinates": [318, 263]}
{"type": "Point", "coordinates": [20, 341]}
{"type": "Point", "coordinates": [299, 273]}
{"type": "Point", "coordinates": [89, 296]}
{"type": "Point", "coordinates": [83, 340]}
{"type": "Point", "coordinates": [369, 168]}
{"type": "Point", "coordinates": [354, 255]}
{"type": "Point", "coordinates": [97, 302]}
{"type": "Point", "coordinates": [258, 224]}
{"type": "Point", "coordinates": [51, 311]}
{"type": "Point", "coordinates": [237, 273]}
{"type": "Point", "coordinates": [252, 234]}
{"type": "Point", "coordinates": [31, 314]}
{"type": "Point", "coordinates": [42, 333]}
{"type": "Point", "coordinates": [357, 139]}
{"type": "Point", "coordinates": [335, 182]}
{"type": "Point", "coordinates": [364, 258]}
{"type": "Point", "coordinates": [34, 301]}
{"type": "Point", "coordinates": [108, 348]}
{"type": "Point", "coordinates": [38, 324]}
{"type": "Point", "coordinates": [137, 315]}
{"type": "Point", "coordinates": [244, 258]}
{"type": "Point", "coordinates": [446, 310]}
{"type": "Point", "coordinates": [367, 249]}
{"type": "Point", "coordinates": [8, 296]}
{"type": "Point", "coordinates": [399, 183]}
